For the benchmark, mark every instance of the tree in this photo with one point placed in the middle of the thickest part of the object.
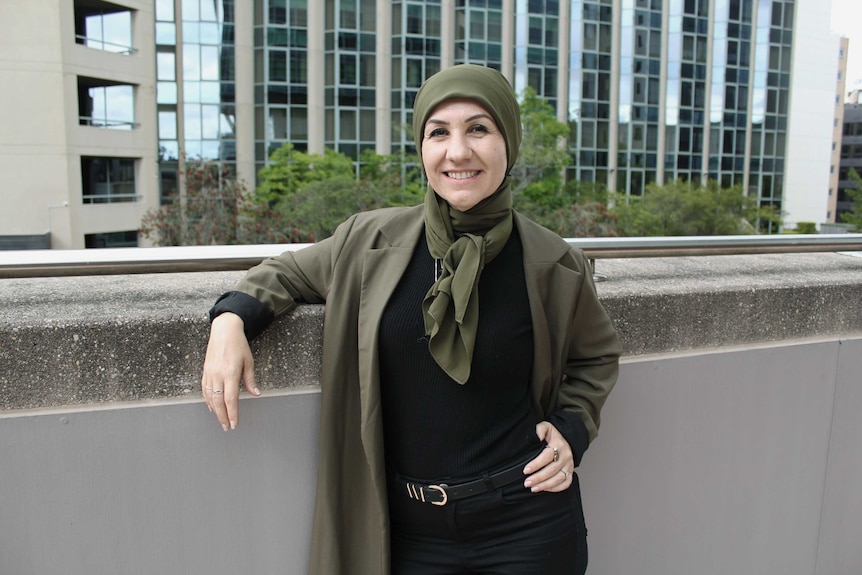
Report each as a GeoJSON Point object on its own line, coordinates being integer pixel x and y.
{"type": "Point", "coordinates": [680, 208]}
{"type": "Point", "coordinates": [315, 209]}
{"type": "Point", "coordinates": [215, 209]}
{"type": "Point", "coordinates": [290, 169]}
{"type": "Point", "coordinates": [854, 216]}
{"type": "Point", "coordinates": [538, 174]}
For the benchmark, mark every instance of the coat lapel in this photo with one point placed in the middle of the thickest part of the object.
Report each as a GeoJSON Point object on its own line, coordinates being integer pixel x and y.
{"type": "Point", "coordinates": [552, 289]}
{"type": "Point", "coordinates": [381, 271]}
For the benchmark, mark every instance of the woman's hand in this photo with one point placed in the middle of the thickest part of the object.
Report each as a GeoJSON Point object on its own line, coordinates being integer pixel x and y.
{"type": "Point", "coordinates": [552, 469]}
{"type": "Point", "coordinates": [228, 362]}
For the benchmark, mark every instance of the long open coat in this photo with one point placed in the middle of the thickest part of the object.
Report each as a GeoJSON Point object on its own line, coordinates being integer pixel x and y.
{"type": "Point", "coordinates": [354, 272]}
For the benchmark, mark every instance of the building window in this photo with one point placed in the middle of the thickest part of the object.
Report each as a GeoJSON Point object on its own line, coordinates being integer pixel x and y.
{"type": "Point", "coordinates": [127, 239]}
{"type": "Point", "coordinates": [108, 180]}
{"type": "Point", "coordinates": [104, 104]}
{"type": "Point", "coordinates": [103, 26]}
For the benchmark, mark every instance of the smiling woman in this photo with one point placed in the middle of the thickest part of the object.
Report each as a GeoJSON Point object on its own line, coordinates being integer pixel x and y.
{"type": "Point", "coordinates": [466, 359]}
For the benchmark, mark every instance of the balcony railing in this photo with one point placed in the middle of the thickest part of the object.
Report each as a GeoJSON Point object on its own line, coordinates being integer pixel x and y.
{"type": "Point", "coordinates": [107, 123]}
{"type": "Point", "coordinates": [104, 45]}
{"type": "Point", "coordinates": [57, 263]}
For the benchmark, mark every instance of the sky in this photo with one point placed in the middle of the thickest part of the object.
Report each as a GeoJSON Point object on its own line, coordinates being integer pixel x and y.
{"type": "Point", "coordinates": [847, 21]}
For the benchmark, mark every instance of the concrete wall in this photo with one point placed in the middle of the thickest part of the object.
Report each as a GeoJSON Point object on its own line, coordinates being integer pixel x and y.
{"type": "Point", "coordinates": [731, 443]}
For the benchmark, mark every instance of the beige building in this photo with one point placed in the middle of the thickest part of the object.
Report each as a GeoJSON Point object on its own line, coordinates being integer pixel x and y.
{"type": "Point", "coordinates": [78, 151]}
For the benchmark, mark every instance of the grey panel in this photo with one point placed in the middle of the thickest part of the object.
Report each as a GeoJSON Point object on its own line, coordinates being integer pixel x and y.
{"type": "Point", "coordinates": [159, 488]}
{"type": "Point", "coordinates": [840, 549]}
{"type": "Point", "coordinates": [713, 463]}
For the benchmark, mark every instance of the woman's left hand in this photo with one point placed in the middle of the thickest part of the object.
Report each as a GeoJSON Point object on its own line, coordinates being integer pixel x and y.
{"type": "Point", "coordinates": [552, 469]}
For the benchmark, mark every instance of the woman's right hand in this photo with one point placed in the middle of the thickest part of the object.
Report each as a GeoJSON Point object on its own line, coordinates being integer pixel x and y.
{"type": "Point", "coordinates": [228, 362]}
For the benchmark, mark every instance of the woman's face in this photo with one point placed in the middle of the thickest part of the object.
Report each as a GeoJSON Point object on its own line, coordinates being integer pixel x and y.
{"type": "Point", "coordinates": [463, 153]}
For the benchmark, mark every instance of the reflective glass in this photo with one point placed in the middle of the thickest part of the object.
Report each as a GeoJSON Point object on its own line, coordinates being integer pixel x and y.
{"type": "Point", "coordinates": [165, 10]}
{"type": "Point", "coordinates": [166, 66]}
{"type": "Point", "coordinates": [209, 63]}
{"type": "Point", "coordinates": [191, 62]}
{"type": "Point", "coordinates": [166, 33]}
{"type": "Point", "coordinates": [192, 121]}
{"type": "Point", "coordinates": [166, 93]}
{"type": "Point", "coordinates": [210, 92]}
{"type": "Point", "coordinates": [168, 125]}
{"type": "Point", "coordinates": [191, 10]}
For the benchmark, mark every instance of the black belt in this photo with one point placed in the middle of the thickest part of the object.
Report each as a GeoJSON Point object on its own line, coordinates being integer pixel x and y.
{"type": "Point", "coordinates": [442, 493]}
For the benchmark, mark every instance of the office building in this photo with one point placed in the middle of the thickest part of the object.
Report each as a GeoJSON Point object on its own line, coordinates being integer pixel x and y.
{"type": "Point", "coordinates": [740, 91]}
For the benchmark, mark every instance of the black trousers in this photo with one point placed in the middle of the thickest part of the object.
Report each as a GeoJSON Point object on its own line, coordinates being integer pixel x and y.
{"type": "Point", "coordinates": [509, 531]}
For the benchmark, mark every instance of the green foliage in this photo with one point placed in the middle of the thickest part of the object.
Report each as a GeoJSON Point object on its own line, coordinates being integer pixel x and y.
{"type": "Point", "coordinates": [854, 216]}
{"type": "Point", "coordinates": [805, 228]}
{"type": "Point", "coordinates": [316, 208]}
{"type": "Point", "coordinates": [215, 209]}
{"type": "Point", "coordinates": [538, 173]}
{"type": "Point", "coordinates": [570, 209]}
{"type": "Point", "coordinates": [682, 209]}
{"type": "Point", "coordinates": [583, 219]}
{"type": "Point", "coordinates": [289, 170]}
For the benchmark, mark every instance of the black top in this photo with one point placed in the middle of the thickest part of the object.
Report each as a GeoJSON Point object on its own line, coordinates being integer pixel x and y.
{"type": "Point", "coordinates": [434, 427]}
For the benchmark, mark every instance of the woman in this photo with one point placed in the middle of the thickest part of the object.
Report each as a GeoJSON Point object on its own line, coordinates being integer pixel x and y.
{"type": "Point", "coordinates": [466, 358]}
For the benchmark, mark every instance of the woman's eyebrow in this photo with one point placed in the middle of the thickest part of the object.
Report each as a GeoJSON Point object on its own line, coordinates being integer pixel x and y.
{"type": "Point", "coordinates": [467, 121]}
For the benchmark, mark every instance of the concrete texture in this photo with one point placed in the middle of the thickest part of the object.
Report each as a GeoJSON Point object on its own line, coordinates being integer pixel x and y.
{"type": "Point", "coordinates": [67, 341]}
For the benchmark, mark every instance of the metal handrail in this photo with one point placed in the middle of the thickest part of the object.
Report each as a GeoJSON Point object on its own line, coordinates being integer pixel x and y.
{"type": "Point", "coordinates": [95, 42]}
{"type": "Point", "coordinates": [121, 261]}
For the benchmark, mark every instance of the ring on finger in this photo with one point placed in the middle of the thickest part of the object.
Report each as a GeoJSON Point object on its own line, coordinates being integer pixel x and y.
{"type": "Point", "coordinates": [556, 454]}
{"type": "Point", "coordinates": [565, 473]}
{"type": "Point", "coordinates": [217, 391]}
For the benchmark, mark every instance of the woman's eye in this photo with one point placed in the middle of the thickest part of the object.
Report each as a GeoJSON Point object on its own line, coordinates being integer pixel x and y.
{"type": "Point", "coordinates": [479, 129]}
{"type": "Point", "coordinates": [436, 133]}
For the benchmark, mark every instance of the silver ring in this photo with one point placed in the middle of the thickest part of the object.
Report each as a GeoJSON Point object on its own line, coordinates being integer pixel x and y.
{"type": "Point", "coordinates": [556, 455]}
{"type": "Point", "coordinates": [217, 391]}
{"type": "Point", "coordinates": [565, 473]}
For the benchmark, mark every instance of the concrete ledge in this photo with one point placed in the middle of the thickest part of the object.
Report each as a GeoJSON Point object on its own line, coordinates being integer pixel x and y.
{"type": "Point", "coordinates": [68, 341]}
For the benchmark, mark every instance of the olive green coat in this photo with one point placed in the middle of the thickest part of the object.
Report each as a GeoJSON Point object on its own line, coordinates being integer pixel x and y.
{"type": "Point", "coordinates": [354, 272]}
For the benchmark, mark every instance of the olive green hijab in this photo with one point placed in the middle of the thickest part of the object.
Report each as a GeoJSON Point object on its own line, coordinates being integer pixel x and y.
{"type": "Point", "coordinates": [464, 241]}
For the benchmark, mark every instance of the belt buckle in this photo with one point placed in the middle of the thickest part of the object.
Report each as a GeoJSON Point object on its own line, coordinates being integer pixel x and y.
{"type": "Point", "coordinates": [442, 491]}
{"type": "Point", "coordinates": [419, 494]}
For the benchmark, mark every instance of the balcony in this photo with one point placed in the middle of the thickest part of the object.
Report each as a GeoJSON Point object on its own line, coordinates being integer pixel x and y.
{"type": "Point", "coordinates": [108, 180]}
{"type": "Point", "coordinates": [104, 26]}
{"type": "Point", "coordinates": [732, 442]}
{"type": "Point", "coordinates": [106, 104]}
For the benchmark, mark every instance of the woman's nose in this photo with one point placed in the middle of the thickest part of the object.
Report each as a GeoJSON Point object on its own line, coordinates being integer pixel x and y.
{"type": "Point", "coordinates": [459, 148]}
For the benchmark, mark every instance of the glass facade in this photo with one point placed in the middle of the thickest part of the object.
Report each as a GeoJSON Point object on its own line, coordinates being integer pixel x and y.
{"type": "Point", "coordinates": [416, 52]}
{"type": "Point", "coordinates": [729, 108]}
{"type": "Point", "coordinates": [281, 76]}
{"type": "Point", "coordinates": [167, 99]}
{"type": "Point", "coordinates": [654, 90]}
{"type": "Point", "coordinates": [537, 46]}
{"type": "Point", "coordinates": [640, 95]}
{"type": "Point", "coordinates": [479, 32]}
{"type": "Point", "coordinates": [208, 71]}
{"type": "Point", "coordinates": [774, 41]}
{"type": "Point", "coordinates": [590, 89]}
{"type": "Point", "coordinates": [351, 76]}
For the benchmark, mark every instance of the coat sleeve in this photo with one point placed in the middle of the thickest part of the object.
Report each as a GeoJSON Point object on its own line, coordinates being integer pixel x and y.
{"type": "Point", "coordinates": [591, 366]}
{"type": "Point", "coordinates": [275, 286]}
